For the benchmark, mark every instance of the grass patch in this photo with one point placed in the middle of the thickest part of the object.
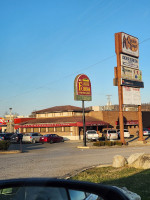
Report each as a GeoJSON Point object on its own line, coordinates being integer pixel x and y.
{"type": "Point", "coordinates": [4, 145]}
{"type": "Point", "coordinates": [135, 180]}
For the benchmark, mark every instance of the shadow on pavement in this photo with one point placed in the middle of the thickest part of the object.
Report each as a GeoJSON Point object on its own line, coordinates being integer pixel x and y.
{"type": "Point", "coordinates": [24, 148]}
{"type": "Point", "coordinates": [133, 138]}
{"type": "Point", "coordinates": [146, 138]}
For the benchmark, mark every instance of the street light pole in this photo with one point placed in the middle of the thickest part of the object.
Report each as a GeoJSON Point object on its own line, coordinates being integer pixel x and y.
{"type": "Point", "coordinates": [10, 118]}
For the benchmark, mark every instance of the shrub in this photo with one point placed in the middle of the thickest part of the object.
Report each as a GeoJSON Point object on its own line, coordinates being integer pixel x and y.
{"type": "Point", "coordinates": [99, 143]}
{"type": "Point", "coordinates": [119, 143]}
{"type": "Point", "coordinates": [4, 144]}
{"type": "Point", "coordinates": [107, 143]}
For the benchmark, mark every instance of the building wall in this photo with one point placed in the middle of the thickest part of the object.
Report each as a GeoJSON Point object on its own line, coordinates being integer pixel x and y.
{"type": "Point", "coordinates": [59, 114]}
{"type": "Point", "coordinates": [112, 116]}
{"type": "Point", "coordinates": [97, 114]}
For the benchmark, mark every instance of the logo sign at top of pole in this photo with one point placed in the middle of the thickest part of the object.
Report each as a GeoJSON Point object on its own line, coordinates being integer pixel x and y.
{"type": "Point", "coordinates": [128, 44]}
{"type": "Point", "coordinates": [82, 88]}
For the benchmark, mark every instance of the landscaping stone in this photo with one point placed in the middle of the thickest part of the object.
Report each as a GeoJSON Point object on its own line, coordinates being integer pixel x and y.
{"type": "Point", "coordinates": [119, 161]}
{"type": "Point", "coordinates": [143, 162]}
{"type": "Point", "coordinates": [134, 157]}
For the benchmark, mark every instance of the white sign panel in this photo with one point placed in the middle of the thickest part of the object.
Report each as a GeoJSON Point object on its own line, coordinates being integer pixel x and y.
{"type": "Point", "coordinates": [131, 74]}
{"type": "Point", "coordinates": [131, 96]}
{"type": "Point", "coordinates": [129, 61]}
{"type": "Point", "coordinates": [126, 73]}
{"type": "Point", "coordinates": [137, 75]}
{"type": "Point", "coordinates": [130, 45]}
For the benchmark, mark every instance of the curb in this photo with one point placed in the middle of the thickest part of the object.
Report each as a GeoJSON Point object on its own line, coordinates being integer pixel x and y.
{"type": "Point", "coordinates": [83, 147]}
{"type": "Point", "coordinates": [75, 172]}
{"type": "Point", "coordinates": [10, 152]}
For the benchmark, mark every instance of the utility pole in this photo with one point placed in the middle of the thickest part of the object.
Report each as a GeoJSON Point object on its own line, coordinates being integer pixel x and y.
{"type": "Point", "coordinates": [10, 119]}
{"type": "Point", "coordinates": [108, 100]}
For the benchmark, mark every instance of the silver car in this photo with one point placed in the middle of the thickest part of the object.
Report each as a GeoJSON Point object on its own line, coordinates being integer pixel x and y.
{"type": "Point", "coordinates": [31, 137]}
{"type": "Point", "coordinates": [110, 134]}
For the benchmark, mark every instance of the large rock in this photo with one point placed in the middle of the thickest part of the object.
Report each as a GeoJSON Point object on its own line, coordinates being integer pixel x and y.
{"type": "Point", "coordinates": [134, 157]}
{"type": "Point", "coordinates": [119, 161]}
{"type": "Point", "coordinates": [143, 162]}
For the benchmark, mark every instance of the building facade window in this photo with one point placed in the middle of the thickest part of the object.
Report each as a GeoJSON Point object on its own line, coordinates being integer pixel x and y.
{"type": "Point", "coordinates": [66, 129]}
{"type": "Point", "coordinates": [35, 130]}
{"type": "Point", "coordinates": [51, 129]}
{"type": "Point", "coordinates": [43, 129]}
{"type": "Point", "coordinates": [28, 130]}
{"type": "Point", "coordinates": [58, 129]}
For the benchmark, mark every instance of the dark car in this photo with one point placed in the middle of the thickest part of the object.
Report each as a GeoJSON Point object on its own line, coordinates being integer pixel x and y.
{"type": "Point", "coordinates": [7, 136]}
{"type": "Point", "coordinates": [2, 136]}
{"type": "Point", "coordinates": [16, 138]}
{"type": "Point", "coordinates": [51, 138]}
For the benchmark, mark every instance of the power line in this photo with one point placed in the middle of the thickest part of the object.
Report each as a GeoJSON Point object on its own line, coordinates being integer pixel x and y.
{"type": "Point", "coordinates": [72, 74]}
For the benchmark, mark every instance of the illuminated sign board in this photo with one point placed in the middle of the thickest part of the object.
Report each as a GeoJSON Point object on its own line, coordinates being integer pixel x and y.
{"type": "Point", "coordinates": [131, 83]}
{"type": "Point", "coordinates": [131, 96]}
{"type": "Point", "coordinates": [131, 74]}
{"type": "Point", "coordinates": [129, 61]}
{"type": "Point", "coordinates": [128, 44]}
{"type": "Point", "coordinates": [82, 88]}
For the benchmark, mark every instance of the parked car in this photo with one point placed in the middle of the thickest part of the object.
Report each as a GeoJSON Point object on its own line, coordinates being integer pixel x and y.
{"type": "Point", "coordinates": [7, 136]}
{"type": "Point", "coordinates": [51, 138]}
{"type": "Point", "coordinates": [2, 136]}
{"type": "Point", "coordinates": [126, 133]}
{"type": "Point", "coordinates": [92, 135]}
{"type": "Point", "coordinates": [146, 131]}
{"type": "Point", "coordinates": [16, 138]}
{"type": "Point", "coordinates": [31, 137]}
{"type": "Point", "coordinates": [110, 134]}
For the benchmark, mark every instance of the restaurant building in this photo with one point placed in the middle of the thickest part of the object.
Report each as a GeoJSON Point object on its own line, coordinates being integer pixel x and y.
{"type": "Point", "coordinates": [66, 121]}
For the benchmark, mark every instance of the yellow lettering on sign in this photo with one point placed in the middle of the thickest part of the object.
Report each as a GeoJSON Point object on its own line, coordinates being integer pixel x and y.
{"type": "Point", "coordinates": [80, 86]}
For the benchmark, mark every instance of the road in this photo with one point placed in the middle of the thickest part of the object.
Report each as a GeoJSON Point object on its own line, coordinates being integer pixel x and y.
{"type": "Point", "coordinates": [59, 160]}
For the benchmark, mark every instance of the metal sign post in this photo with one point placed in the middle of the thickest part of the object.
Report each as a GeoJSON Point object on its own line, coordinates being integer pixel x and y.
{"type": "Point", "coordinates": [82, 92]}
{"type": "Point", "coordinates": [121, 123]}
{"type": "Point", "coordinates": [84, 133]}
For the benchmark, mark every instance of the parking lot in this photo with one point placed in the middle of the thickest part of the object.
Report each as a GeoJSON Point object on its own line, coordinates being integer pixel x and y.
{"type": "Point", "coordinates": [60, 159]}
{"type": "Point", "coordinates": [133, 140]}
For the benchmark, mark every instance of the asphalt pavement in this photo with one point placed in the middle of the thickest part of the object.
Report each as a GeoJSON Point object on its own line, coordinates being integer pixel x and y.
{"type": "Point", "coordinates": [60, 160]}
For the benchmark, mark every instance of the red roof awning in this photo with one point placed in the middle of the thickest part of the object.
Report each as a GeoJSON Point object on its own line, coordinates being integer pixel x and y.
{"type": "Point", "coordinates": [78, 124]}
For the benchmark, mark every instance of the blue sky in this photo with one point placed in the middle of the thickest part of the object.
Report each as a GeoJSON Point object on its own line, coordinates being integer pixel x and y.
{"type": "Point", "coordinates": [45, 44]}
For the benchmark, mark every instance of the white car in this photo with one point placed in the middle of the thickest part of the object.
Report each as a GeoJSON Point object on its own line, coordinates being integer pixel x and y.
{"type": "Point", "coordinates": [31, 137]}
{"type": "Point", "coordinates": [92, 135]}
{"type": "Point", "coordinates": [110, 134]}
{"type": "Point", "coordinates": [146, 131]}
{"type": "Point", "coordinates": [126, 133]}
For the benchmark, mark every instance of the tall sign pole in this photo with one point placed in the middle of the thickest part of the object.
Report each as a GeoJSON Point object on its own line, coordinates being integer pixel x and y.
{"type": "Point", "coordinates": [84, 134]}
{"type": "Point", "coordinates": [121, 123]}
{"type": "Point", "coordinates": [128, 77]}
{"type": "Point", "coordinates": [82, 92]}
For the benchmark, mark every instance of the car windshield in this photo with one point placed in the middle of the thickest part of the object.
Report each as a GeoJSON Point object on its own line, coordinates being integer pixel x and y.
{"type": "Point", "coordinates": [91, 132]}
{"type": "Point", "coordinates": [28, 134]}
{"type": "Point", "coordinates": [112, 131]}
{"type": "Point", "coordinates": [75, 85]}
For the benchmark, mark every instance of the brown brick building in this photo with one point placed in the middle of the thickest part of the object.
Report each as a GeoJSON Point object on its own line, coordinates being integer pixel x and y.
{"type": "Point", "coordinates": [66, 121]}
